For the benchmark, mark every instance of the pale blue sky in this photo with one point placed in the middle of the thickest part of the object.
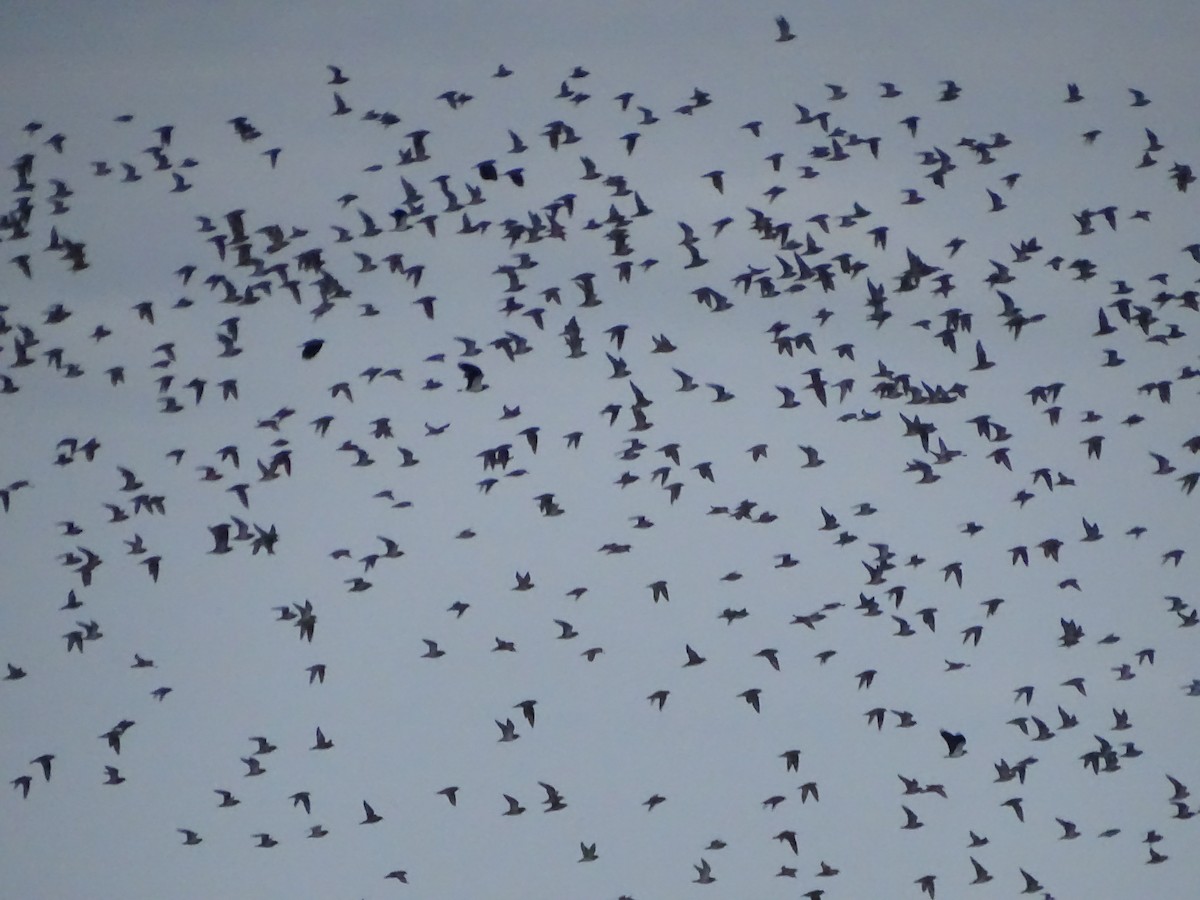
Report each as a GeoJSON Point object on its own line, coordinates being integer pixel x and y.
{"type": "Point", "coordinates": [404, 726]}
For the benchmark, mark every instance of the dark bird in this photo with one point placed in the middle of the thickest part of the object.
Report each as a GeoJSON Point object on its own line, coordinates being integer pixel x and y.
{"type": "Point", "coordinates": [44, 761]}
{"type": "Point", "coordinates": [473, 376]}
{"type": "Point", "coordinates": [1015, 804]}
{"type": "Point", "coordinates": [227, 798]}
{"type": "Point", "coordinates": [526, 707]}
{"type": "Point", "coordinates": [981, 874]}
{"type": "Point", "coordinates": [371, 817]}
{"type": "Point", "coordinates": [654, 800]}
{"type": "Point", "coordinates": [955, 744]}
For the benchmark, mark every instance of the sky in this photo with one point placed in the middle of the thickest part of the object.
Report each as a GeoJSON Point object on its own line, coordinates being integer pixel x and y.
{"type": "Point", "coordinates": [853, 196]}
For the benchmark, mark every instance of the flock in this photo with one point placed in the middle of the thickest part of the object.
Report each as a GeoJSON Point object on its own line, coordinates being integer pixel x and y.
{"type": "Point", "coordinates": [444, 492]}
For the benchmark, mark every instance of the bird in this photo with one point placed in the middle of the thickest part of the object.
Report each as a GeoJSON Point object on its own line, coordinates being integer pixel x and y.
{"type": "Point", "coordinates": [981, 874]}
{"type": "Point", "coordinates": [302, 798]}
{"type": "Point", "coordinates": [227, 798]}
{"type": "Point", "coordinates": [1032, 885]}
{"type": "Point", "coordinates": [527, 708]}
{"type": "Point", "coordinates": [371, 817]}
{"type": "Point", "coordinates": [653, 801]}
{"type": "Point", "coordinates": [771, 655]}
{"type": "Point", "coordinates": [1015, 804]}
{"type": "Point", "coordinates": [473, 376]}
{"type": "Point", "coordinates": [955, 744]}
{"type": "Point", "coordinates": [911, 820]}
{"type": "Point", "coordinates": [44, 761]}
{"type": "Point", "coordinates": [263, 746]}
{"type": "Point", "coordinates": [566, 628]}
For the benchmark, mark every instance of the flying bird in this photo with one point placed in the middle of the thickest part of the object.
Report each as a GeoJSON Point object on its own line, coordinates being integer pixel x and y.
{"type": "Point", "coordinates": [473, 376]}
{"type": "Point", "coordinates": [955, 744]}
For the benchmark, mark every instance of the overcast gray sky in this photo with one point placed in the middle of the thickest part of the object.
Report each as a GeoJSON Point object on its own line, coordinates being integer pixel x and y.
{"type": "Point", "coordinates": [404, 726]}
